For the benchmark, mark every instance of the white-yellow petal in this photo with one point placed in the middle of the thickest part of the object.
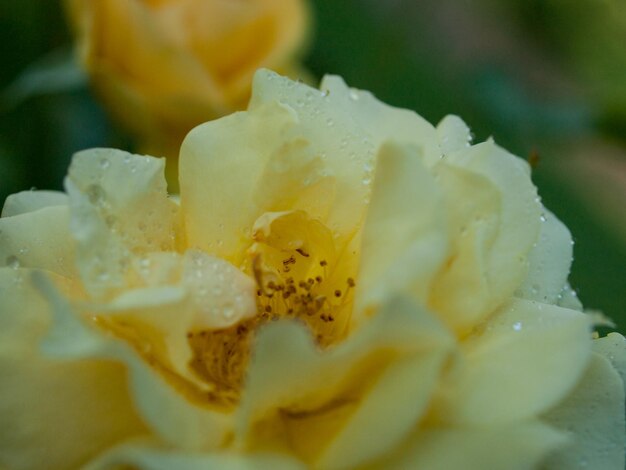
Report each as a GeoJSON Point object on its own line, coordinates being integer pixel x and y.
{"type": "Point", "coordinates": [404, 236]}
{"type": "Point", "coordinates": [318, 403]}
{"type": "Point", "coordinates": [493, 222]}
{"type": "Point", "coordinates": [120, 210]}
{"type": "Point", "coordinates": [592, 416]}
{"type": "Point", "coordinates": [521, 363]}
{"type": "Point", "coordinates": [39, 239]}
{"type": "Point", "coordinates": [29, 201]}
{"type": "Point", "coordinates": [514, 446]}
{"type": "Point", "coordinates": [453, 134]}
{"type": "Point", "coordinates": [170, 408]}
{"type": "Point", "coordinates": [549, 262]}
{"type": "Point", "coordinates": [54, 414]}
{"type": "Point", "coordinates": [380, 121]}
{"type": "Point", "coordinates": [147, 456]}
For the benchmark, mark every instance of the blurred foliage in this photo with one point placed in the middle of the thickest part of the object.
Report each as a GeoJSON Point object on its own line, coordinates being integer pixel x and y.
{"type": "Point", "coordinates": [542, 76]}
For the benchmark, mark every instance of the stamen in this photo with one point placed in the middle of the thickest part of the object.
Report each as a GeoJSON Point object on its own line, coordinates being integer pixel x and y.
{"type": "Point", "coordinates": [302, 252]}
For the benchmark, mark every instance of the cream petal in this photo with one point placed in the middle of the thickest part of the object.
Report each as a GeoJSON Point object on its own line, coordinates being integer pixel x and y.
{"type": "Point", "coordinates": [221, 294]}
{"type": "Point", "coordinates": [54, 414]}
{"type": "Point", "coordinates": [381, 121]}
{"type": "Point", "coordinates": [522, 362]}
{"type": "Point", "coordinates": [494, 218]}
{"type": "Point", "coordinates": [549, 262]}
{"type": "Point", "coordinates": [144, 456]}
{"type": "Point", "coordinates": [29, 201]}
{"type": "Point", "coordinates": [221, 163]}
{"type": "Point", "coordinates": [515, 446]}
{"type": "Point", "coordinates": [454, 135]}
{"type": "Point", "coordinates": [160, 317]}
{"type": "Point", "coordinates": [119, 210]}
{"type": "Point", "coordinates": [168, 407]}
{"type": "Point", "coordinates": [613, 347]}
{"type": "Point", "coordinates": [593, 418]}
{"type": "Point", "coordinates": [334, 132]}
{"type": "Point", "coordinates": [23, 316]}
{"type": "Point", "coordinates": [58, 415]}
{"type": "Point", "coordinates": [320, 403]}
{"type": "Point", "coordinates": [568, 298]}
{"type": "Point", "coordinates": [404, 236]}
{"type": "Point", "coordinates": [38, 239]}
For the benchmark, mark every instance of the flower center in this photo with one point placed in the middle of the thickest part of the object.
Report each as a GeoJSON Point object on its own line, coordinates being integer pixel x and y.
{"type": "Point", "coordinates": [221, 356]}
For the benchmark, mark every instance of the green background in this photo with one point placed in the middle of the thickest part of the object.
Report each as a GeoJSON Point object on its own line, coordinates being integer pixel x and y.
{"type": "Point", "coordinates": [542, 77]}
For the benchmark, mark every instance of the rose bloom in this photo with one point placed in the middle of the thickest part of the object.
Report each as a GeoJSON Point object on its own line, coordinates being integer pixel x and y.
{"type": "Point", "coordinates": [339, 285]}
{"type": "Point", "coordinates": [165, 66]}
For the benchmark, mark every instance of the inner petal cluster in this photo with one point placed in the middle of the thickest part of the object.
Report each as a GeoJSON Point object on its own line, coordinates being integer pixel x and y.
{"type": "Point", "coordinates": [294, 280]}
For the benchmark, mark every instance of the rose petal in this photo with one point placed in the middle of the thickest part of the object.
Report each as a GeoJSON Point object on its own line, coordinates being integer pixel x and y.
{"type": "Point", "coordinates": [54, 414]}
{"type": "Point", "coordinates": [613, 347]}
{"type": "Point", "coordinates": [404, 238]}
{"type": "Point", "coordinates": [454, 135]}
{"type": "Point", "coordinates": [317, 402]}
{"type": "Point", "coordinates": [523, 362]}
{"type": "Point", "coordinates": [29, 201]}
{"type": "Point", "coordinates": [345, 146]}
{"type": "Point", "coordinates": [549, 262]}
{"type": "Point", "coordinates": [383, 122]}
{"type": "Point", "coordinates": [169, 407]}
{"type": "Point", "coordinates": [517, 446]}
{"type": "Point", "coordinates": [493, 219]}
{"type": "Point", "coordinates": [151, 457]}
{"type": "Point", "coordinates": [592, 415]}
{"type": "Point", "coordinates": [38, 239]}
{"type": "Point", "coordinates": [120, 210]}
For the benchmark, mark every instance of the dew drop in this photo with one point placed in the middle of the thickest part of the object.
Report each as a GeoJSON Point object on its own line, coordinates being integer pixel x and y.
{"type": "Point", "coordinates": [354, 96]}
{"type": "Point", "coordinates": [517, 326]}
{"type": "Point", "coordinates": [105, 163]}
{"type": "Point", "coordinates": [228, 312]}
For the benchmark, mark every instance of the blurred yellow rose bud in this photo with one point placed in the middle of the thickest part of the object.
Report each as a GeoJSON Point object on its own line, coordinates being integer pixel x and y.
{"type": "Point", "coordinates": [164, 66]}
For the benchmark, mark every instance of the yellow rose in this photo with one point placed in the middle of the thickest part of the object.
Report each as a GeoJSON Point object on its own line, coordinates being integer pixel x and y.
{"type": "Point", "coordinates": [165, 66]}
{"type": "Point", "coordinates": [339, 285]}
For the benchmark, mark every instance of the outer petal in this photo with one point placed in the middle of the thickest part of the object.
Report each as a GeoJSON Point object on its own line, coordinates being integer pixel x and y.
{"type": "Point", "coordinates": [146, 457]}
{"type": "Point", "coordinates": [28, 201]}
{"type": "Point", "coordinates": [294, 149]}
{"type": "Point", "coordinates": [382, 122]}
{"type": "Point", "coordinates": [321, 405]}
{"type": "Point", "coordinates": [593, 417]}
{"type": "Point", "coordinates": [404, 237]}
{"type": "Point", "coordinates": [174, 409]}
{"type": "Point", "coordinates": [549, 262]}
{"type": "Point", "coordinates": [54, 414]}
{"type": "Point", "coordinates": [493, 219]}
{"type": "Point", "coordinates": [523, 362]}
{"type": "Point", "coordinates": [517, 446]}
{"type": "Point", "coordinates": [454, 135]}
{"type": "Point", "coordinates": [38, 239]}
{"type": "Point", "coordinates": [120, 210]}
